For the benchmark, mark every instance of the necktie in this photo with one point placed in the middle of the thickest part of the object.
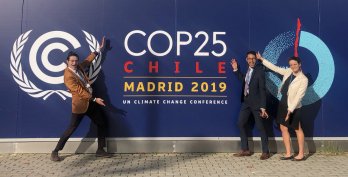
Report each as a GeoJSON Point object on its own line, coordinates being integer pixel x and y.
{"type": "Point", "coordinates": [247, 81]}
{"type": "Point", "coordinates": [81, 76]}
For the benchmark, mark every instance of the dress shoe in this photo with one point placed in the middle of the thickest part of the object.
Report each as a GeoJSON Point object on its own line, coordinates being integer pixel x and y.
{"type": "Point", "coordinates": [287, 158]}
{"type": "Point", "coordinates": [242, 154]}
{"type": "Point", "coordinates": [265, 156]}
{"type": "Point", "coordinates": [55, 157]}
{"type": "Point", "coordinates": [102, 153]}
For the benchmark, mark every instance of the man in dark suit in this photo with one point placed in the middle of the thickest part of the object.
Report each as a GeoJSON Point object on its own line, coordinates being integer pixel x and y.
{"type": "Point", "coordinates": [253, 103]}
{"type": "Point", "coordinates": [83, 103]}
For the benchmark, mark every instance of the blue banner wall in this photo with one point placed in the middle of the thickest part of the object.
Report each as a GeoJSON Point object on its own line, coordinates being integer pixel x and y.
{"type": "Point", "coordinates": [188, 45]}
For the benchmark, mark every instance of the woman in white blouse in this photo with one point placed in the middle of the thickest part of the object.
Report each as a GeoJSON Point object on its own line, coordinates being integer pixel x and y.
{"type": "Point", "coordinates": [293, 89]}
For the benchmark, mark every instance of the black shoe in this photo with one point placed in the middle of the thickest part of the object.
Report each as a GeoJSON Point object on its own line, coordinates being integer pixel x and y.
{"type": "Point", "coordinates": [55, 157]}
{"type": "Point", "coordinates": [102, 153]}
{"type": "Point", "coordinates": [302, 159]}
{"type": "Point", "coordinates": [287, 158]}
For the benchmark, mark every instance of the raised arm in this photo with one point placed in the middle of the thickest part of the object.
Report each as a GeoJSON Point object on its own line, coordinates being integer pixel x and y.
{"type": "Point", "coordinates": [92, 56]}
{"type": "Point", "coordinates": [236, 70]}
{"type": "Point", "coordinates": [270, 65]}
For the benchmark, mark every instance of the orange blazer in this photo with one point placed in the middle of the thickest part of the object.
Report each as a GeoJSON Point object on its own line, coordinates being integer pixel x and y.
{"type": "Point", "coordinates": [78, 90]}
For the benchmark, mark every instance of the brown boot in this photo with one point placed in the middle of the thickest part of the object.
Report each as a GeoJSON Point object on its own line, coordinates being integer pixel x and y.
{"type": "Point", "coordinates": [55, 157]}
{"type": "Point", "coordinates": [242, 153]}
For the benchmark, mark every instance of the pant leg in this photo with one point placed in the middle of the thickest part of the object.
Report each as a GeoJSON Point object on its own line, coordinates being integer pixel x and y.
{"type": "Point", "coordinates": [74, 123]}
{"type": "Point", "coordinates": [260, 126]}
{"type": "Point", "coordinates": [94, 112]}
{"type": "Point", "coordinates": [242, 121]}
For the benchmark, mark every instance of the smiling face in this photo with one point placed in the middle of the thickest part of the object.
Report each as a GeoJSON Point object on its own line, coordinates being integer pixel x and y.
{"type": "Point", "coordinates": [251, 60]}
{"type": "Point", "coordinates": [295, 66]}
{"type": "Point", "coordinates": [73, 61]}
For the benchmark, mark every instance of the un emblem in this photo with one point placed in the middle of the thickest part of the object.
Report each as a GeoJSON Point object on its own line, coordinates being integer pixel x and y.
{"type": "Point", "coordinates": [24, 82]}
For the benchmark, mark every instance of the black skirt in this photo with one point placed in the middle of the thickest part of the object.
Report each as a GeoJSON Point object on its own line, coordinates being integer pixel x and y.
{"type": "Point", "coordinates": [294, 119]}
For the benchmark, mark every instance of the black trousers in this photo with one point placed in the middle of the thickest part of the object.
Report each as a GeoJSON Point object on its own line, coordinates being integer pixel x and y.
{"type": "Point", "coordinates": [244, 115]}
{"type": "Point", "coordinates": [95, 114]}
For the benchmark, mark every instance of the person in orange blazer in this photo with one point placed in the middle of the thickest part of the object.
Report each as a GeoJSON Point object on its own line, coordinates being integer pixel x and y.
{"type": "Point", "coordinates": [83, 103]}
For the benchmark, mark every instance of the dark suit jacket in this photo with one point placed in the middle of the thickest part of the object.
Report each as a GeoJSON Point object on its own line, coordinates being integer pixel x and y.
{"type": "Point", "coordinates": [257, 89]}
{"type": "Point", "coordinates": [80, 94]}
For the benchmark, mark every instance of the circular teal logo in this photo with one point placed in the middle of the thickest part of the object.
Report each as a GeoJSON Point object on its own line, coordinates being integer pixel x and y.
{"type": "Point", "coordinates": [321, 52]}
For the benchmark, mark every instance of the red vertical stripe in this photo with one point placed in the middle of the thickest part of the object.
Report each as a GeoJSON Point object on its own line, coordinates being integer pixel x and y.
{"type": "Point", "coordinates": [298, 28]}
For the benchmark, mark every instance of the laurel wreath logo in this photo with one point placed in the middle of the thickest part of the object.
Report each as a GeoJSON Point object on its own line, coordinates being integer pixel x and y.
{"type": "Point", "coordinates": [29, 87]}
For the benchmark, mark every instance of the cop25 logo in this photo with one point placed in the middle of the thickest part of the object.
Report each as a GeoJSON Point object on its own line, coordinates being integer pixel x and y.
{"type": "Point", "coordinates": [26, 84]}
{"type": "Point", "coordinates": [317, 47]}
